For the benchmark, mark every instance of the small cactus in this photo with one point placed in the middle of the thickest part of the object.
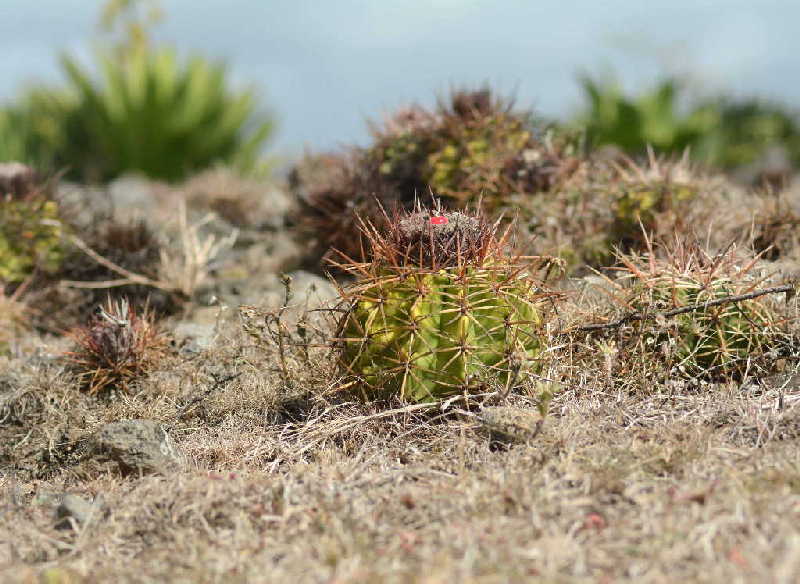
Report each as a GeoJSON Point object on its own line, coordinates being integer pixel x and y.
{"type": "Point", "coordinates": [30, 237]}
{"type": "Point", "coordinates": [117, 346]}
{"type": "Point", "coordinates": [714, 342]}
{"type": "Point", "coordinates": [439, 309]}
{"type": "Point", "coordinates": [644, 196]}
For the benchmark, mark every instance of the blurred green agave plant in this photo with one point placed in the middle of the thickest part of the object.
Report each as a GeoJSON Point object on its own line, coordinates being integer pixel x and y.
{"type": "Point", "coordinates": [652, 118]}
{"type": "Point", "coordinates": [745, 129]}
{"type": "Point", "coordinates": [153, 113]}
{"type": "Point", "coordinates": [721, 131]}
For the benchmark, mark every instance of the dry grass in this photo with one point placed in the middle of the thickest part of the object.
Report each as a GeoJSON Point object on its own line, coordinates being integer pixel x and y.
{"type": "Point", "coordinates": [301, 485]}
{"type": "Point", "coordinates": [638, 476]}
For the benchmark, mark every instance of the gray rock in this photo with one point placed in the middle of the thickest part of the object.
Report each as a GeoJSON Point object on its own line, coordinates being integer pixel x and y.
{"type": "Point", "coordinates": [138, 446]}
{"type": "Point", "coordinates": [311, 290]}
{"type": "Point", "coordinates": [74, 511]}
{"type": "Point", "coordinates": [199, 330]}
{"type": "Point", "coordinates": [132, 196]}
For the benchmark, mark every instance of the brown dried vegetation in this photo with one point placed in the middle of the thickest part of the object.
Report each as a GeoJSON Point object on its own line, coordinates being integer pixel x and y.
{"type": "Point", "coordinates": [640, 470]}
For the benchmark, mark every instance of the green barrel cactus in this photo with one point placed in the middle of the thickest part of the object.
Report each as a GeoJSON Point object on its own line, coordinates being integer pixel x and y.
{"type": "Point", "coordinates": [717, 339]}
{"type": "Point", "coordinates": [30, 237]}
{"type": "Point", "coordinates": [713, 341]}
{"type": "Point", "coordinates": [439, 310]}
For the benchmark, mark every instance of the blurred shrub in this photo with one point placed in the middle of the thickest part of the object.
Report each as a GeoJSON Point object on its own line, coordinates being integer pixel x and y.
{"type": "Point", "coordinates": [620, 204]}
{"type": "Point", "coordinates": [652, 118]}
{"type": "Point", "coordinates": [722, 131]}
{"type": "Point", "coordinates": [746, 129]}
{"type": "Point", "coordinates": [145, 111]}
{"type": "Point", "coordinates": [152, 113]}
{"type": "Point", "coordinates": [32, 128]}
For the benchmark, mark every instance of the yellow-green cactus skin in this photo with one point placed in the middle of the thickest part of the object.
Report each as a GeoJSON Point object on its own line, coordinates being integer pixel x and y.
{"type": "Point", "coordinates": [439, 311]}
{"type": "Point", "coordinates": [431, 335]}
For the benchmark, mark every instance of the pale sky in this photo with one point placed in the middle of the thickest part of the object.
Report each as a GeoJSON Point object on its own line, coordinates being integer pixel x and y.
{"type": "Point", "coordinates": [325, 66]}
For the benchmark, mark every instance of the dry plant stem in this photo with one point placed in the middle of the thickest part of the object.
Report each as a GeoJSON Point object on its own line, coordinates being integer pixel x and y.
{"type": "Point", "coordinates": [218, 383]}
{"type": "Point", "coordinates": [184, 273]}
{"type": "Point", "coordinates": [349, 423]}
{"type": "Point", "coordinates": [129, 277]}
{"type": "Point", "coordinates": [279, 333]}
{"type": "Point", "coordinates": [189, 269]}
{"type": "Point", "coordinates": [636, 316]}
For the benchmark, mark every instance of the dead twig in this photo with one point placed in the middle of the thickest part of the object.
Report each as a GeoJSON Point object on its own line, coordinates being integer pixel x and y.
{"type": "Point", "coordinates": [788, 289]}
{"type": "Point", "coordinates": [128, 276]}
{"type": "Point", "coordinates": [218, 383]}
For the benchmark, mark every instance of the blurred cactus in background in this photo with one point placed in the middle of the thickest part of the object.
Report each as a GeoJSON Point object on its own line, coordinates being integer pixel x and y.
{"type": "Point", "coordinates": [30, 237]}
{"type": "Point", "coordinates": [641, 195]}
{"type": "Point", "coordinates": [473, 146]}
{"type": "Point", "coordinates": [30, 225]}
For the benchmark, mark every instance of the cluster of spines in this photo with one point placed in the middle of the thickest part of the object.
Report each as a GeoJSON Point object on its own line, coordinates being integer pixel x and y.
{"type": "Point", "coordinates": [116, 347]}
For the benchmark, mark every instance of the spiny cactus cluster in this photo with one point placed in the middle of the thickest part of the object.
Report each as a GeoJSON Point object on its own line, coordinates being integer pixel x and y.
{"type": "Point", "coordinates": [476, 146]}
{"type": "Point", "coordinates": [30, 237]}
{"type": "Point", "coordinates": [117, 346]}
{"type": "Point", "coordinates": [439, 309]}
{"type": "Point", "coordinates": [618, 204]}
{"type": "Point", "coordinates": [643, 195]}
{"type": "Point", "coordinates": [714, 340]}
